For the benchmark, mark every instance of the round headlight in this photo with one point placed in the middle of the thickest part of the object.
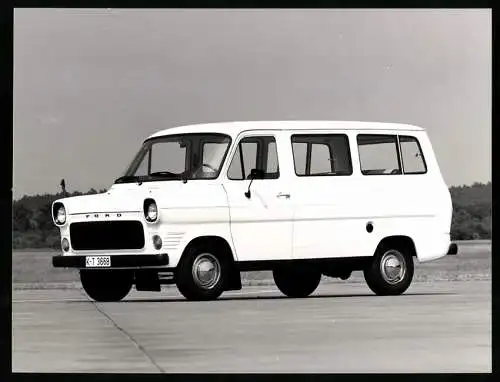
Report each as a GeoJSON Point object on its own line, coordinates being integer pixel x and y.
{"type": "Point", "coordinates": [152, 212]}
{"type": "Point", "coordinates": [61, 215]}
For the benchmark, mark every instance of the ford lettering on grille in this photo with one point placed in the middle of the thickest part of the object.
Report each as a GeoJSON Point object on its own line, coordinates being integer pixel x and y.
{"type": "Point", "coordinates": [105, 215]}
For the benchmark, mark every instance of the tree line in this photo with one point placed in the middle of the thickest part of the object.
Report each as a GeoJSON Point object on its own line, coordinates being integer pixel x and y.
{"type": "Point", "coordinates": [471, 212]}
{"type": "Point", "coordinates": [33, 226]}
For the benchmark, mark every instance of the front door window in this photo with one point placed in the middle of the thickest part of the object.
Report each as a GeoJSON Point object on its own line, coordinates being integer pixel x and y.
{"type": "Point", "coordinates": [255, 153]}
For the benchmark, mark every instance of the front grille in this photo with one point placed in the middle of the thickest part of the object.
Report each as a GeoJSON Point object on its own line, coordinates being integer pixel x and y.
{"type": "Point", "coordinates": [106, 235]}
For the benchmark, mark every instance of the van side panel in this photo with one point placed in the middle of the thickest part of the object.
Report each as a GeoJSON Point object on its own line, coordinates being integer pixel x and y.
{"type": "Point", "coordinates": [331, 213]}
{"type": "Point", "coordinates": [329, 216]}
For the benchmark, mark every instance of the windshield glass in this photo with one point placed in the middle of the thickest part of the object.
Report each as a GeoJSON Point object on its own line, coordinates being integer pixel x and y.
{"type": "Point", "coordinates": [176, 157]}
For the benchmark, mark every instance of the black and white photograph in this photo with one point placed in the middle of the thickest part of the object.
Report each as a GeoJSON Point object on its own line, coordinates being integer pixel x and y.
{"type": "Point", "coordinates": [252, 191]}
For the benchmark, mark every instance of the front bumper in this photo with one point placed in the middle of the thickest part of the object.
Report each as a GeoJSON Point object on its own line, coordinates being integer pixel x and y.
{"type": "Point", "coordinates": [117, 261]}
{"type": "Point", "coordinates": [453, 249]}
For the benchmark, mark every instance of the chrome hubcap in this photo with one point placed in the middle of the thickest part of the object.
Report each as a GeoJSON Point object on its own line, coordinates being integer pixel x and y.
{"type": "Point", "coordinates": [206, 271]}
{"type": "Point", "coordinates": [393, 266]}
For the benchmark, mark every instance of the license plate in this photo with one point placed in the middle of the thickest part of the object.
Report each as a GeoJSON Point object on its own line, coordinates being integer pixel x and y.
{"type": "Point", "coordinates": [97, 261]}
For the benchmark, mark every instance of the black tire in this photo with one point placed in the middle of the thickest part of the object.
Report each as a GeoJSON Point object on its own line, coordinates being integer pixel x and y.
{"type": "Point", "coordinates": [107, 285]}
{"type": "Point", "coordinates": [188, 275]}
{"type": "Point", "coordinates": [380, 281]}
{"type": "Point", "coordinates": [295, 282]}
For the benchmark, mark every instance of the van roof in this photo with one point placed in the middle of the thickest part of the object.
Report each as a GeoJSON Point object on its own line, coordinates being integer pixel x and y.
{"type": "Point", "coordinates": [234, 128]}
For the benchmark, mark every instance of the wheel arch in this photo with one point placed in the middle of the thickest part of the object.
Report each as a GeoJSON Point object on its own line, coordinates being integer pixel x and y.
{"type": "Point", "coordinates": [217, 241]}
{"type": "Point", "coordinates": [374, 278]}
{"type": "Point", "coordinates": [398, 241]}
{"type": "Point", "coordinates": [224, 249]}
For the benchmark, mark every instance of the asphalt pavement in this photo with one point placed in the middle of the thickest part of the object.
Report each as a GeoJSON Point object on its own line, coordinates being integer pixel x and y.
{"type": "Point", "coordinates": [343, 328]}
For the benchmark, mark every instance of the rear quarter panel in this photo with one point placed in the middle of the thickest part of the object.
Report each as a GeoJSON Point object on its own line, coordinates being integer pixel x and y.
{"type": "Point", "coordinates": [413, 205]}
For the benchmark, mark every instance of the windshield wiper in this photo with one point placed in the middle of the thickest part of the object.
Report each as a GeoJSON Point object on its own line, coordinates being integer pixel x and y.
{"type": "Point", "coordinates": [139, 179]}
{"type": "Point", "coordinates": [182, 176]}
{"type": "Point", "coordinates": [127, 178]}
{"type": "Point", "coordinates": [166, 174]}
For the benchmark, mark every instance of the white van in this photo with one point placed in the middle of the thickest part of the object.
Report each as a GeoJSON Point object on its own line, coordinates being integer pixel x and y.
{"type": "Point", "coordinates": [201, 203]}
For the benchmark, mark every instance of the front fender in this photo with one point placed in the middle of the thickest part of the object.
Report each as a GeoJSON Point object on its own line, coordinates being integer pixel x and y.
{"type": "Point", "coordinates": [181, 226]}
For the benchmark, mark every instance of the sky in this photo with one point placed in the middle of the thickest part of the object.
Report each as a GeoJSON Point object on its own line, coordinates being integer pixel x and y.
{"type": "Point", "coordinates": [91, 84]}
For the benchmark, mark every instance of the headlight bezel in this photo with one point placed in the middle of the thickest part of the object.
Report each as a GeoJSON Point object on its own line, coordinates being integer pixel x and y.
{"type": "Point", "coordinates": [146, 210]}
{"type": "Point", "coordinates": [56, 209]}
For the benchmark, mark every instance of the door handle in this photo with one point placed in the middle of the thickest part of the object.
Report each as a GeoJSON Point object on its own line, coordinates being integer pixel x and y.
{"type": "Point", "coordinates": [283, 195]}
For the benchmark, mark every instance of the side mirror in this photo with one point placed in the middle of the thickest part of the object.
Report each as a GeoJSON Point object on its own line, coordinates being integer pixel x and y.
{"type": "Point", "coordinates": [254, 174]}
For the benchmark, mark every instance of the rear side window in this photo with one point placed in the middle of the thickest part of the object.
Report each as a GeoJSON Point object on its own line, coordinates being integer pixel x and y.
{"type": "Point", "coordinates": [379, 154]}
{"type": "Point", "coordinates": [411, 153]}
{"type": "Point", "coordinates": [321, 154]}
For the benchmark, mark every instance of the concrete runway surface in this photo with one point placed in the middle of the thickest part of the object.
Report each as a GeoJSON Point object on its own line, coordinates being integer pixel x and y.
{"type": "Point", "coordinates": [342, 328]}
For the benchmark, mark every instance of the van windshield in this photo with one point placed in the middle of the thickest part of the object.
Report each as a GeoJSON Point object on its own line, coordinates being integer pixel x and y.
{"type": "Point", "coordinates": [178, 157]}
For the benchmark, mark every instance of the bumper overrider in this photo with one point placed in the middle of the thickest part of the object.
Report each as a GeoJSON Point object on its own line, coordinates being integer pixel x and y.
{"type": "Point", "coordinates": [117, 261]}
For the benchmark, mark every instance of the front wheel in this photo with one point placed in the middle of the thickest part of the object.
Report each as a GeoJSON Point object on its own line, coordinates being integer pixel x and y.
{"type": "Point", "coordinates": [391, 271]}
{"type": "Point", "coordinates": [107, 285]}
{"type": "Point", "coordinates": [296, 282]}
{"type": "Point", "coordinates": [201, 274]}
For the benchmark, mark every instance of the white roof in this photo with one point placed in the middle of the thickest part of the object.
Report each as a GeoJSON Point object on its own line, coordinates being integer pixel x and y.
{"type": "Point", "coordinates": [234, 128]}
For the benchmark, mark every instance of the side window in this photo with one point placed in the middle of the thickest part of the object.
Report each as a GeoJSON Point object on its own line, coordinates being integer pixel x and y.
{"type": "Point", "coordinates": [299, 150]}
{"type": "Point", "coordinates": [378, 154]}
{"type": "Point", "coordinates": [249, 151]}
{"type": "Point", "coordinates": [411, 153]}
{"type": "Point", "coordinates": [254, 152]}
{"type": "Point", "coordinates": [321, 154]}
{"type": "Point", "coordinates": [321, 162]}
{"type": "Point", "coordinates": [272, 158]}
{"type": "Point", "coordinates": [236, 170]}
{"type": "Point", "coordinates": [244, 160]}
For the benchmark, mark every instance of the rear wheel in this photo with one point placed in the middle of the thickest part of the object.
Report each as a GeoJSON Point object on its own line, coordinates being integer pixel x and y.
{"type": "Point", "coordinates": [391, 271]}
{"type": "Point", "coordinates": [295, 282]}
{"type": "Point", "coordinates": [201, 274]}
{"type": "Point", "coordinates": [107, 285]}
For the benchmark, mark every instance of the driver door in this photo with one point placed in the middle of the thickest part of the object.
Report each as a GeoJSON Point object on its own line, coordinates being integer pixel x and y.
{"type": "Point", "coordinates": [261, 223]}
